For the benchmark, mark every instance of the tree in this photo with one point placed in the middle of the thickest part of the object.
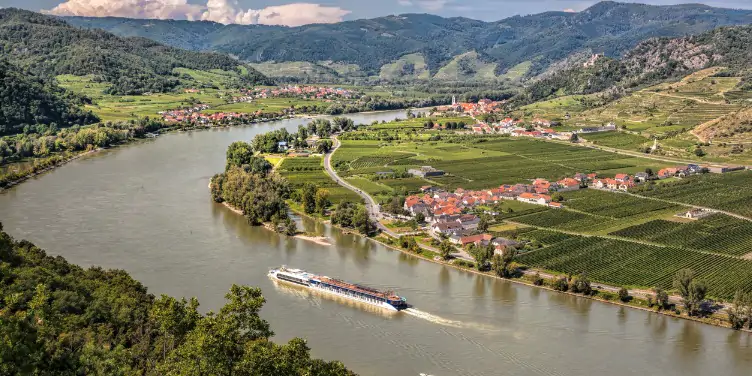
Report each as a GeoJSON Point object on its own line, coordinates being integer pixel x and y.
{"type": "Point", "coordinates": [740, 313]}
{"type": "Point", "coordinates": [691, 290]}
{"type": "Point", "coordinates": [324, 146]}
{"type": "Point", "coordinates": [482, 255]}
{"type": "Point", "coordinates": [557, 197]}
{"type": "Point", "coordinates": [446, 248]}
{"type": "Point", "coordinates": [580, 284]}
{"type": "Point", "coordinates": [308, 198]}
{"type": "Point", "coordinates": [362, 221]}
{"type": "Point", "coordinates": [561, 284]}
{"type": "Point", "coordinates": [574, 138]}
{"type": "Point", "coordinates": [483, 224]}
{"type": "Point", "coordinates": [503, 264]}
{"type": "Point", "coordinates": [239, 153]}
{"type": "Point", "coordinates": [420, 218]}
{"type": "Point", "coordinates": [322, 201]}
{"type": "Point", "coordinates": [624, 294]}
{"type": "Point", "coordinates": [661, 298]}
{"type": "Point", "coordinates": [291, 228]}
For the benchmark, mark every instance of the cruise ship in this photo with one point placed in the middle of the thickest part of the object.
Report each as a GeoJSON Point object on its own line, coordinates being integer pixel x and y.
{"type": "Point", "coordinates": [383, 299]}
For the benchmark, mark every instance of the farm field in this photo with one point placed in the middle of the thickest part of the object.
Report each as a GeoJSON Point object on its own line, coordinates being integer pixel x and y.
{"type": "Point", "coordinates": [299, 171]}
{"type": "Point", "coordinates": [618, 140]}
{"type": "Point", "coordinates": [127, 107]}
{"type": "Point", "coordinates": [483, 164]}
{"type": "Point", "coordinates": [623, 263]}
{"type": "Point", "coordinates": [730, 192]}
{"type": "Point", "coordinates": [718, 233]}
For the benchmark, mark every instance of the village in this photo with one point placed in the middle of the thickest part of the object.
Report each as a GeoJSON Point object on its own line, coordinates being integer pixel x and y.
{"type": "Point", "coordinates": [453, 215]}
{"type": "Point", "coordinates": [302, 92]}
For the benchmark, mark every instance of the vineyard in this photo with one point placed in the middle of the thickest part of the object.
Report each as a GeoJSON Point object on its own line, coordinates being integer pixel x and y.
{"type": "Point", "coordinates": [562, 219]}
{"type": "Point", "coordinates": [299, 171]}
{"type": "Point", "coordinates": [622, 263]}
{"type": "Point", "coordinates": [719, 233]}
{"type": "Point", "coordinates": [613, 205]}
{"type": "Point", "coordinates": [730, 192]}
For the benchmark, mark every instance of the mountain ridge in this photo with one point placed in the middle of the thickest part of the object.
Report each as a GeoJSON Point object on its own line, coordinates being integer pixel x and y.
{"type": "Point", "coordinates": [606, 27]}
{"type": "Point", "coordinates": [47, 46]}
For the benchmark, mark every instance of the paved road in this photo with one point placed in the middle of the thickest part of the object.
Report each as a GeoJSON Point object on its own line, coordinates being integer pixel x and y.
{"type": "Point", "coordinates": [373, 208]}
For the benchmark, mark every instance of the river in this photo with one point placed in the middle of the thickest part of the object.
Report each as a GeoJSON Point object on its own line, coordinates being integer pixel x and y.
{"type": "Point", "coordinates": [145, 208]}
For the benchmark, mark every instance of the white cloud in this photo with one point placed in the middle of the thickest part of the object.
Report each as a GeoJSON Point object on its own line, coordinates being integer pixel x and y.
{"type": "Point", "coordinates": [570, 10]}
{"type": "Point", "coordinates": [432, 5]}
{"type": "Point", "coordinates": [405, 3]}
{"type": "Point", "coordinates": [223, 11]}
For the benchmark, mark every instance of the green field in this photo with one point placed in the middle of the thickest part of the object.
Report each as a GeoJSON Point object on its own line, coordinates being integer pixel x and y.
{"type": "Point", "coordinates": [468, 66]}
{"type": "Point", "coordinates": [730, 192]}
{"type": "Point", "coordinates": [299, 171]}
{"type": "Point", "coordinates": [718, 234]}
{"type": "Point", "coordinates": [475, 165]}
{"type": "Point", "coordinates": [623, 263]}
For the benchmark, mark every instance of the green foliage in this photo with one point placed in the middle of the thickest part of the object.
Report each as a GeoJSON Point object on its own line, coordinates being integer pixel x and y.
{"type": "Point", "coordinates": [353, 216]}
{"type": "Point", "coordinates": [740, 313]}
{"type": "Point", "coordinates": [27, 102]}
{"type": "Point", "coordinates": [624, 294]}
{"type": "Point", "coordinates": [259, 196]}
{"type": "Point", "coordinates": [691, 290]}
{"type": "Point", "coordinates": [129, 65]}
{"type": "Point", "coordinates": [59, 319]}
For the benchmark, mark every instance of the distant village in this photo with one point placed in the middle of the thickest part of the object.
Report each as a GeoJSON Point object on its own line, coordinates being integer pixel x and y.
{"type": "Point", "coordinates": [303, 92]}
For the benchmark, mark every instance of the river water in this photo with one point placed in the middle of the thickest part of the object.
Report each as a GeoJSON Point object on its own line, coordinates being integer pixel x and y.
{"type": "Point", "coordinates": [146, 208]}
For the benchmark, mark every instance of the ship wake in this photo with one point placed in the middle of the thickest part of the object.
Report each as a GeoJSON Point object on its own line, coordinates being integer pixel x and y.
{"type": "Point", "coordinates": [445, 322]}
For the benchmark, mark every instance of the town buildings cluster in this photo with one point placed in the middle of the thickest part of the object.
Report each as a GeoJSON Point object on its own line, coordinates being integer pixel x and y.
{"type": "Point", "coordinates": [195, 115]}
{"type": "Point", "coordinates": [484, 106]}
{"type": "Point", "coordinates": [303, 92]}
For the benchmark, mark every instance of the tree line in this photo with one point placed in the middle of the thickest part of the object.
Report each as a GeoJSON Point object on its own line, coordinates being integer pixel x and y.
{"type": "Point", "coordinates": [57, 318]}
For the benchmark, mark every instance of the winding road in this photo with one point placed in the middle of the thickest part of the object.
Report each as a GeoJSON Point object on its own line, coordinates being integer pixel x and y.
{"type": "Point", "coordinates": [373, 208]}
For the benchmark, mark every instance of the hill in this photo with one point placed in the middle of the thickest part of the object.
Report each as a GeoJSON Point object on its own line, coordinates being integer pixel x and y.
{"type": "Point", "coordinates": [542, 39]}
{"type": "Point", "coordinates": [26, 101]}
{"type": "Point", "coordinates": [47, 47]}
{"type": "Point", "coordinates": [60, 319]}
{"type": "Point", "coordinates": [657, 60]}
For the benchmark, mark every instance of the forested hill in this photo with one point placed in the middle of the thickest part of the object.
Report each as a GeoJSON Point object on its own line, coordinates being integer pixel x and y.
{"type": "Point", "coordinates": [47, 46]}
{"type": "Point", "coordinates": [60, 319]}
{"type": "Point", "coordinates": [607, 27]}
{"type": "Point", "coordinates": [653, 61]}
{"type": "Point", "coordinates": [28, 100]}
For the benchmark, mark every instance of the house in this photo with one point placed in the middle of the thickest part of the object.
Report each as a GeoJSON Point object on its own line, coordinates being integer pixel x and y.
{"type": "Point", "coordinates": [621, 178]}
{"type": "Point", "coordinates": [479, 240]}
{"type": "Point", "coordinates": [626, 185]}
{"type": "Point", "coordinates": [667, 173]}
{"type": "Point", "coordinates": [447, 228]}
{"type": "Point", "coordinates": [282, 146]}
{"type": "Point", "coordinates": [697, 214]}
{"type": "Point", "coordinates": [555, 205]}
{"type": "Point", "coordinates": [568, 184]}
{"type": "Point", "coordinates": [534, 198]}
{"type": "Point", "coordinates": [642, 177]}
{"type": "Point", "coordinates": [468, 221]}
{"type": "Point", "coordinates": [580, 177]}
{"type": "Point", "coordinates": [425, 171]}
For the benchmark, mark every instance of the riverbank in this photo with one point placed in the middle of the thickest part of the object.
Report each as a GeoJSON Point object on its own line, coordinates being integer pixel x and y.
{"type": "Point", "coordinates": [31, 174]}
{"type": "Point", "coordinates": [320, 240]}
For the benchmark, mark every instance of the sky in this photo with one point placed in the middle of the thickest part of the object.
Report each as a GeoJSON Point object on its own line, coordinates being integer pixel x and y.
{"type": "Point", "coordinates": [301, 12]}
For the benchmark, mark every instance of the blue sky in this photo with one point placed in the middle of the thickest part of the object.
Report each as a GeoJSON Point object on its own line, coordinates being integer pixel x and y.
{"type": "Point", "coordinates": [293, 12]}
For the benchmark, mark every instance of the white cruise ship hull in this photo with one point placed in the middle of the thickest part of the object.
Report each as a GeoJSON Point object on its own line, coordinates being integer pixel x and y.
{"type": "Point", "coordinates": [274, 274]}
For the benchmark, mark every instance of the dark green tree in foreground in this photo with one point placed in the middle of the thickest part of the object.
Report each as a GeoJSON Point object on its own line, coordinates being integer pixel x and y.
{"type": "Point", "coordinates": [60, 319]}
{"type": "Point", "coordinates": [691, 290]}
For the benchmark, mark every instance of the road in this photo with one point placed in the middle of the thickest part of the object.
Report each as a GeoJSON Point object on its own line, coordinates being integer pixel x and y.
{"type": "Point", "coordinates": [373, 208]}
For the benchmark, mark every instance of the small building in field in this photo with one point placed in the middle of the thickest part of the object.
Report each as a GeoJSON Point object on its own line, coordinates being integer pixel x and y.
{"type": "Point", "coordinates": [697, 214]}
{"type": "Point", "coordinates": [425, 172]}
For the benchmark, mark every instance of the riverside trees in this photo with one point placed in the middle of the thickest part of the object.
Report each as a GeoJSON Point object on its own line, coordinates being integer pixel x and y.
{"type": "Point", "coordinates": [60, 319]}
{"type": "Point", "coordinates": [250, 185]}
